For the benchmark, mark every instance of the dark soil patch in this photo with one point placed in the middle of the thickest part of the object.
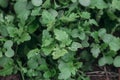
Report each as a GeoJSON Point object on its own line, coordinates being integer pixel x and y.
{"type": "Point", "coordinates": [101, 75]}
{"type": "Point", "coordinates": [104, 73]}
{"type": "Point", "coordinates": [11, 77]}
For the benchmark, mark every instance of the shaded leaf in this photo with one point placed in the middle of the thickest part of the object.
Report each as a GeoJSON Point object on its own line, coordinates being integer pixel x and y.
{"type": "Point", "coordinates": [1, 54]}
{"type": "Point", "coordinates": [32, 63]}
{"type": "Point", "coordinates": [4, 3]}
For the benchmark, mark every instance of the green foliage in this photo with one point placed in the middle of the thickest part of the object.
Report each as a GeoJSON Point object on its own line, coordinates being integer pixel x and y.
{"type": "Point", "coordinates": [4, 3]}
{"type": "Point", "coordinates": [58, 39]}
{"type": "Point", "coordinates": [66, 69]}
{"type": "Point", "coordinates": [8, 44]}
{"type": "Point", "coordinates": [116, 61]}
{"type": "Point", "coordinates": [105, 60]}
{"type": "Point", "coordinates": [116, 4]}
{"type": "Point", "coordinates": [36, 2]}
{"type": "Point", "coordinates": [8, 66]}
{"type": "Point", "coordinates": [85, 2]}
{"type": "Point", "coordinates": [75, 45]}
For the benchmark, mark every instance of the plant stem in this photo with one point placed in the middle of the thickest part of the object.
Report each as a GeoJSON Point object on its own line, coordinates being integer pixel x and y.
{"type": "Point", "coordinates": [113, 30]}
{"type": "Point", "coordinates": [20, 67]}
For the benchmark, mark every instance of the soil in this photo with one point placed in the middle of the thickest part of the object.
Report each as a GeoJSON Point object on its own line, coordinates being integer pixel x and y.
{"type": "Point", "coordinates": [103, 77]}
{"type": "Point", "coordinates": [104, 73]}
{"type": "Point", "coordinates": [11, 77]}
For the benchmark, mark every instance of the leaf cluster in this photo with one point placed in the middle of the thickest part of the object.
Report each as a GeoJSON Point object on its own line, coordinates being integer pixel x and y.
{"type": "Point", "coordinates": [58, 39]}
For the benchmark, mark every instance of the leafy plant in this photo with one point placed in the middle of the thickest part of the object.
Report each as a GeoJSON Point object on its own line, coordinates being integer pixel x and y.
{"type": "Point", "coordinates": [58, 39]}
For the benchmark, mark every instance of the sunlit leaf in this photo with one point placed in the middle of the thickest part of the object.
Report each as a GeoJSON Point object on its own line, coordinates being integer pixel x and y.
{"type": "Point", "coordinates": [37, 2]}
{"type": "Point", "coordinates": [116, 61]}
{"type": "Point", "coordinates": [85, 2]}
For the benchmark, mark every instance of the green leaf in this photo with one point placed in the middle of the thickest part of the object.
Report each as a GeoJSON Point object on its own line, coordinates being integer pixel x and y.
{"type": "Point", "coordinates": [43, 66]}
{"type": "Point", "coordinates": [53, 12]}
{"type": "Point", "coordinates": [46, 4]}
{"type": "Point", "coordinates": [18, 34]}
{"type": "Point", "coordinates": [8, 44]}
{"type": "Point", "coordinates": [46, 38]}
{"type": "Point", "coordinates": [1, 54]}
{"type": "Point", "coordinates": [59, 52]}
{"type": "Point", "coordinates": [7, 64]}
{"type": "Point", "coordinates": [115, 44]}
{"type": "Point", "coordinates": [100, 4]}
{"type": "Point", "coordinates": [61, 35]}
{"type": "Point", "coordinates": [116, 61]}
{"type": "Point", "coordinates": [9, 53]}
{"type": "Point", "coordinates": [20, 6]}
{"type": "Point", "coordinates": [64, 75]}
{"type": "Point", "coordinates": [47, 74]}
{"type": "Point", "coordinates": [37, 2]}
{"type": "Point", "coordinates": [95, 51]}
{"type": "Point", "coordinates": [85, 2]}
{"type": "Point", "coordinates": [24, 37]}
{"type": "Point", "coordinates": [116, 4]}
{"type": "Point", "coordinates": [12, 31]}
{"type": "Point", "coordinates": [105, 60]}
{"type": "Point", "coordinates": [47, 18]}
{"type": "Point", "coordinates": [32, 63]}
{"type": "Point", "coordinates": [111, 14]}
{"type": "Point", "coordinates": [85, 15]}
{"type": "Point", "coordinates": [75, 33]}
{"type": "Point", "coordinates": [36, 12]}
{"type": "Point", "coordinates": [95, 36]}
{"type": "Point", "coordinates": [24, 16]}
{"type": "Point", "coordinates": [4, 3]}
{"type": "Point", "coordinates": [68, 57]}
{"type": "Point", "coordinates": [85, 43]}
{"type": "Point", "coordinates": [92, 21]}
{"type": "Point", "coordinates": [75, 46]}
{"type": "Point", "coordinates": [107, 38]}
{"type": "Point", "coordinates": [3, 31]}
{"type": "Point", "coordinates": [32, 53]}
{"type": "Point", "coordinates": [102, 32]}
{"type": "Point", "coordinates": [32, 73]}
{"type": "Point", "coordinates": [21, 10]}
{"type": "Point", "coordinates": [66, 70]}
{"type": "Point", "coordinates": [47, 50]}
{"type": "Point", "coordinates": [9, 18]}
{"type": "Point", "coordinates": [33, 27]}
{"type": "Point", "coordinates": [72, 17]}
{"type": "Point", "coordinates": [74, 1]}
{"type": "Point", "coordinates": [6, 71]}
